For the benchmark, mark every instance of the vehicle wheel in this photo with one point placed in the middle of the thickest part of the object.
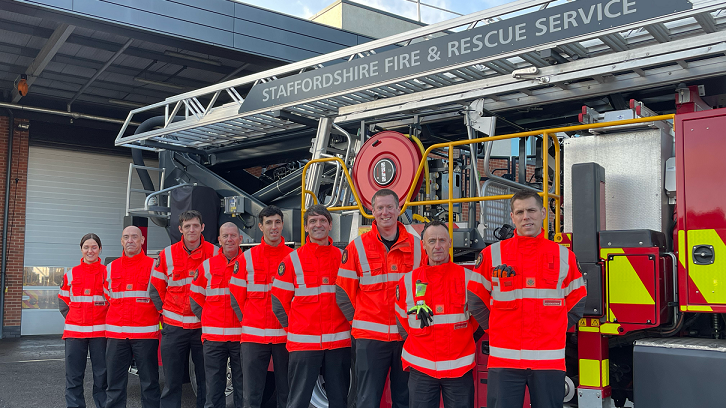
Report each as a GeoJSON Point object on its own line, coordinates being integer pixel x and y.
{"type": "Point", "coordinates": [320, 398]}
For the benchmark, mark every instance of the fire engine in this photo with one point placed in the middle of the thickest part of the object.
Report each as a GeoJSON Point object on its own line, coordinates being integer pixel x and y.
{"type": "Point", "coordinates": [600, 106]}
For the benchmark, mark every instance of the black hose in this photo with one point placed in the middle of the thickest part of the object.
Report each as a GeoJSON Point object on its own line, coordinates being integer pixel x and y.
{"type": "Point", "coordinates": [3, 267]}
{"type": "Point", "coordinates": [137, 154]}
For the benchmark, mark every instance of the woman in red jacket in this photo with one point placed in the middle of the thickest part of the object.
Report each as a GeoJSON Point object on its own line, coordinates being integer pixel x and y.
{"type": "Point", "coordinates": [84, 307]}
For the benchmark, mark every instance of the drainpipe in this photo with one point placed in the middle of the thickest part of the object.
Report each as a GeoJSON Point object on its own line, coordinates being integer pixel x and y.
{"type": "Point", "coordinates": [3, 267]}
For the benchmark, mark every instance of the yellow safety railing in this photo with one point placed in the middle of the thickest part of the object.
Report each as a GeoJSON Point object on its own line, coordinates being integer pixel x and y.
{"type": "Point", "coordinates": [546, 134]}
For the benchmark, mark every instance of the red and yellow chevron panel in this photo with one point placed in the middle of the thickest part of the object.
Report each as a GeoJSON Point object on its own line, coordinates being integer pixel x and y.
{"type": "Point", "coordinates": [702, 282]}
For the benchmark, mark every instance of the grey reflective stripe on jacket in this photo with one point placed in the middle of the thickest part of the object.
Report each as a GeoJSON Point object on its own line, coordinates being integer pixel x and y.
{"type": "Point", "coordinates": [516, 354]}
{"type": "Point", "coordinates": [443, 365]}
{"type": "Point", "coordinates": [250, 268]}
{"type": "Point", "coordinates": [169, 262]}
{"type": "Point", "coordinates": [368, 279]}
{"type": "Point", "coordinates": [122, 294]}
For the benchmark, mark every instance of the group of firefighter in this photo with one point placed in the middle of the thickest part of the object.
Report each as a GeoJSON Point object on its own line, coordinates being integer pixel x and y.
{"type": "Point", "coordinates": [391, 305]}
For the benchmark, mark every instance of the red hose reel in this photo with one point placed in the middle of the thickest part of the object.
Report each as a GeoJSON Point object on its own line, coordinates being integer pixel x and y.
{"type": "Point", "coordinates": [387, 160]}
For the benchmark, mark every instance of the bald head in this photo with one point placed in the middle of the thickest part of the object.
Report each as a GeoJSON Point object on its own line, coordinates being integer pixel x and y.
{"type": "Point", "coordinates": [132, 240]}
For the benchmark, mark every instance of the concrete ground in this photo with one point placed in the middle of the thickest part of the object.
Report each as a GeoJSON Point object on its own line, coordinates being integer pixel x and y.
{"type": "Point", "coordinates": [32, 375]}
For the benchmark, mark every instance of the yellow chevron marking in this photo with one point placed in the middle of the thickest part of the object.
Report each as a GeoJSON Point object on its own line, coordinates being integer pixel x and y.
{"type": "Point", "coordinates": [606, 372]}
{"type": "Point", "coordinates": [700, 309]}
{"type": "Point", "coordinates": [609, 328]}
{"type": "Point", "coordinates": [624, 284]}
{"type": "Point", "coordinates": [709, 279]}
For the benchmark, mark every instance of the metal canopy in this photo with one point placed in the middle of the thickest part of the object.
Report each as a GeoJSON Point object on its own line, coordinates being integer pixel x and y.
{"type": "Point", "coordinates": [679, 47]}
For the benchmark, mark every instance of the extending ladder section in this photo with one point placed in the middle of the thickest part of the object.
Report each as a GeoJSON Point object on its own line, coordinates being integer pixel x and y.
{"type": "Point", "coordinates": [673, 41]}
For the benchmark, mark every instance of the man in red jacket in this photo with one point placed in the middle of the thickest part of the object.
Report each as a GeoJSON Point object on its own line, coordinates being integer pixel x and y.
{"type": "Point", "coordinates": [526, 291]}
{"type": "Point", "coordinates": [182, 332]}
{"type": "Point", "coordinates": [439, 349]}
{"type": "Point", "coordinates": [262, 335]}
{"type": "Point", "coordinates": [220, 328]}
{"type": "Point", "coordinates": [303, 299]}
{"type": "Point", "coordinates": [132, 323]}
{"type": "Point", "coordinates": [372, 266]}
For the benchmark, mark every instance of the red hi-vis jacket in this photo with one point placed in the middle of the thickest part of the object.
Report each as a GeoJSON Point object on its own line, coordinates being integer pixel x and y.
{"type": "Point", "coordinates": [251, 299]}
{"type": "Point", "coordinates": [171, 278]}
{"type": "Point", "coordinates": [445, 349]}
{"type": "Point", "coordinates": [527, 314]}
{"type": "Point", "coordinates": [81, 301]}
{"type": "Point", "coordinates": [303, 299]}
{"type": "Point", "coordinates": [131, 315]}
{"type": "Point", "coordinates": [367, 282]}
{"type": "Point", "coordinates": [210, 298]}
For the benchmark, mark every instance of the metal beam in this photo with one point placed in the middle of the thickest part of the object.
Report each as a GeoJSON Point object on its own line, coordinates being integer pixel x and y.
{"type": "Point", "coordinates": [46, 54]}
{"type": "Point", "coordinates": [99, 72]}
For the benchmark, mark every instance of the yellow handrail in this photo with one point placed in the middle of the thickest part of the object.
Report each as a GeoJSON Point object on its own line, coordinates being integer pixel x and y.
{"type": "Point", "coordinates": [546, 133]}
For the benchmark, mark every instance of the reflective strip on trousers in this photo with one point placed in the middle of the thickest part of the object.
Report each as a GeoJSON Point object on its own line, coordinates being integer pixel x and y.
{"type": "Point", "coordinates": [132, 329]}
{"type": "Point", "coordinates": [375, 327]}
{"type": "Point", "coordinates": [443, 365]}
{"type": "Point", "coordinates": [254, 331]}
{"type": "Point", "coordinates": [305, 291]}
{"type": "Point", "coordinates": [345, 273]}
{"type": "Point", "coordinates": [84, 329]}
{"type": "Point", "coordinates": [316, 339]}
{"type": "Point", "coordinates": [532, 355]}
{"type": "Point", "coordinates": [129, 294]}
{"type": "Point", "coordinates": [222, 331]}
{"type": "Point", "coordinates": [180, 318]}
{"type": "Point", "coordinates": [87, 299]}
{"type": "Point", "coordinates": [440, 319]}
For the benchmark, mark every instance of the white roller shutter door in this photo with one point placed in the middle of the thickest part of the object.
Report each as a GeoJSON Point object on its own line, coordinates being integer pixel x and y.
{"type": "Point", "coordinates": [70, 194]}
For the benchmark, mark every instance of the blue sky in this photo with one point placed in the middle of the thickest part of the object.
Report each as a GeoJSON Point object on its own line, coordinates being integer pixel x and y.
{"type": "Point", "coordinates": [307, 8]}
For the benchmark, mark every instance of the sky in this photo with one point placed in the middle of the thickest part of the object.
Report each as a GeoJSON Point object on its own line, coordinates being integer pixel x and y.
{"type": "Point", "coordinates": [308, 8]}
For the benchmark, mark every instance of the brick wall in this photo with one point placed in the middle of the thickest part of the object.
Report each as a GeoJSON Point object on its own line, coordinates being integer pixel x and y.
{"type": "Point", "coordinates": [16, 221]}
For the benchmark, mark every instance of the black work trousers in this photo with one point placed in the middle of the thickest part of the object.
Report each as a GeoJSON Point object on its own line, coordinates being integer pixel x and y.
{"type": "Point", "coordinates": [255, 361]}
{"type": "Point", "coordinates": [373, 359]}
{"type": "Point", "coordinates": [305, 368]}
{"type": "Point", "coordinates": [176, 344]}
{"type": "Point", "coordinates": [119, 355]}
{"type": "Point", "coordinates": [77, 350]}
{"type": "Point", "coordinates": [216, 355]}
{"type": "Point", "coordinates": [505, 388]}
{"type": "Point", "coordinates": [426, 391]}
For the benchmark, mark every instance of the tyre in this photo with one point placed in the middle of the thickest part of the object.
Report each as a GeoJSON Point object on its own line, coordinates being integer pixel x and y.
{"type": "Point", "coordinates": [320, 399]}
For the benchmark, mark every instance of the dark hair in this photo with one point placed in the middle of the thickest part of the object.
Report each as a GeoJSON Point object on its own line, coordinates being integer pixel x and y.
{"type": "Point", "coordinates": [92, 236]}
{"type": "Point", "coordinates": [269, 211]}
{"type": "Point", "coordinates": [524, 195]}
{"type": "Point", "coordinates": [317, 209]}
{"type": "Point", "coordinates": [433, 223]}
{"type": "Point", "coordinates": [190, 215]}
{"type": "Point", "coordinates": [383, 193]}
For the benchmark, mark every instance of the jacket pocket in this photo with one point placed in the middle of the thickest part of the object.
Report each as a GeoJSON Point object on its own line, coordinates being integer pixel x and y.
{"type": "Point", "coordinates": [310, 293]}
{"type": "Point", "coordinates": [507, 294]}
{"type": "Point", "coordinates": [374, 280]}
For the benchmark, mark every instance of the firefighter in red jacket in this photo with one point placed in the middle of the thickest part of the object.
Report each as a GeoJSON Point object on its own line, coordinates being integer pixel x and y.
{"type": "Point", "coordinates": [132, 323]}
{"type": "Point", "coordinates": [303, 299]}
{"type": "Point", "coordinates": [220, 328]}
{"type": "Point", "coordinates": [182, 331]}
{"type": "Point", "coordinates": [372, 266]}
{"type": "Point", "coordinates": [262, 335]}
{"type": "Point", "coordinates": [526, 291]}
{"type": "Point", "coordinates": [83, 306]}
{"type": "Point", "coordinates": [439, 349]}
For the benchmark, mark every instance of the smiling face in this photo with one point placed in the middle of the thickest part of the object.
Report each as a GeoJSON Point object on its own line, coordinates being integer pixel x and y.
{"type": "Point", "coordinates": [527, 216]}
{"type": "Point", "coordinates": [271, 227]}
{"type": "Point", "coordinates": [318, 228]}
{"type": "Point", "coordinates": [229, 239]}
{"type": "Point", "coordinates": [90, 250]}
{"type": "Point", "coordinates": [385, 211]}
